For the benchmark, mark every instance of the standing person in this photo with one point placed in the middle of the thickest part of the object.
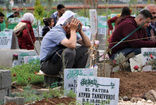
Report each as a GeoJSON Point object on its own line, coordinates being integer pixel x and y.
{"type": "Point", "coordinates": [49, 23]}
{"type": "Point", "coordinates": [26, 41]}
{"type": "Point", "coordinates": [134, 42]}
{"type": "Point", "coordinates": [151, 29]}
{"type": "Point", "coordinates": [64, 39]}
{"type": "Point", "coordinates": [125, 12]}
{"type": "Point", "coordinates": [15, 14]}
{"type": "Point", "coordinates": [1, 18]}
{"type": "Point", "coordinates": [60, 11]}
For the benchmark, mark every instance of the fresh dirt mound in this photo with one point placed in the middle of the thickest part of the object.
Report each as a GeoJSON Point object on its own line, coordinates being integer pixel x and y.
{"type": "Point", "coordinates": [55, 101]}
{"type": "Point", "coordinates": [135, 83]}
{"type": "Point", "coordinates": [131, 84]}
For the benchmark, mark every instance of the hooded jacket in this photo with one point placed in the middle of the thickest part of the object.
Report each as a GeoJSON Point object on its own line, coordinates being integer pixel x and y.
{"type": "Point", "coordinates": [128, 25]}
{"type": "Point", "coordinates": [24, 40]}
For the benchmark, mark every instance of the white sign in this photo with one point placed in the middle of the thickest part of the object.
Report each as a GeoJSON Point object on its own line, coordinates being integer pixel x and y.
{"type": "Point", "coordinates": [84, 20]}
{"type": "Point", "coordinates": [21, 56]}
{"type": "Point", "coordinates": [28, 59]}
{"type": "Point", "coordinates": [70, 77]}
{"type": "Point", "coordinates": [146, 52]}
{"type": "Point", "coordinates": [102, 24]}
{"type": "Point", "coordinates": [97, 90]}
{"type": "Point", "coordinates": [93, 21]}
{"type": "Point", "coordinates": [5, 39]}
{"type": "Point", "coordinates": [87, 32]}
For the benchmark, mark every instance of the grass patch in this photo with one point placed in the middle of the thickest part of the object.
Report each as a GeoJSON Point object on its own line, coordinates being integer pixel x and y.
{"type": "Point", "coordinates": [25, 74]}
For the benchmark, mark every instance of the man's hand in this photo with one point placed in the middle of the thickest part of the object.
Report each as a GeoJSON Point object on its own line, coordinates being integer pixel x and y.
{"type": "Point", "coordinates": [80, 26]}
{"type": "Point", "coordinates": [74, 25]}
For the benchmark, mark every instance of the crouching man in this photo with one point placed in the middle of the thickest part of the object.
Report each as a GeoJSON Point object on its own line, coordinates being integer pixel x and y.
{"type": "Point", "coordinates": [58, 47]}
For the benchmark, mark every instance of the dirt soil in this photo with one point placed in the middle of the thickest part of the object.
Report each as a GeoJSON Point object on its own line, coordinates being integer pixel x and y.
{"type": "Point", "coordinates": [131, 84]}
{"type": "Point", "coordinates": [135, 84]}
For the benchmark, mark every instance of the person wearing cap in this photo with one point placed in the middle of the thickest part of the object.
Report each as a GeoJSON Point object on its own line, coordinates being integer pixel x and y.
{"type": "Point", "coordinates": [135, 41]}
{"type": "Point", "coordinates": [1, 18]}
{"type": "Point", "coordinates": [62, 40]}
{"type": "Point", "coordinates": [15, 14]}
{"type": "Point", "coordinates": [151, 29]}
{"type": "Point", "coordinates": [60, 11]}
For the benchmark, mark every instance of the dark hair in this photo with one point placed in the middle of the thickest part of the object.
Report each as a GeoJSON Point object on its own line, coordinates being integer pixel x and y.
{"type": "Point", "coordinates": [60, 6]}
{"type": "Point", "coordinates": [146, 13]}
{"type": "Point", "coordinates": [1, 14]}
{"type": "Point", "coordinates": [16, 12]}
{"type": "Point", "coordinates": [125, 11]}
{"type": "Point", "coordinates": [47, 21]}
{"type": "Point", "coordinates": [69, 20]}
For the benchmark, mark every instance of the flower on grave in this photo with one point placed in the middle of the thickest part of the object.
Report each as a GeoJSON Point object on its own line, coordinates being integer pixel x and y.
{"type": "Point", "coordinates": [151, 56]}
{"type": "Point", "coordinates": [35, 72]}
{"type": "Point", "coordinates": [29, 78]}
{"type": "Point", "coordinates": [14, 75]}
{"type": "Point", "coordinates": [136, 67]}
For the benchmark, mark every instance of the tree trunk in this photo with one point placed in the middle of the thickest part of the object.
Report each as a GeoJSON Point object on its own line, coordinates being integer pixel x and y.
{"type": "Point", "coordinates": [49, 4]}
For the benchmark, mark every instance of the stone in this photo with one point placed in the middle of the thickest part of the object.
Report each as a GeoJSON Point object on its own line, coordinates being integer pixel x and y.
{"type": "Point", "coordinates": [149, 101]}
{"type": "Point", "coordinates": [17, 100]}
{"type": "Point", "coordinates": [5, 79]}
{"type": "Point", "coordinates": [4, 92]}
{"type": "Point", "coordinates": [150, 95]}
{"type": "Point", "coordinates": [125, 98]}
{"type": "Point", "coordinates": [135, 99]}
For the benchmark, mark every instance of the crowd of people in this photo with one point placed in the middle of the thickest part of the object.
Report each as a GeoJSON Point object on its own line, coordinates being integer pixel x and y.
{"type": "Point", "coordinates": [60, 37]}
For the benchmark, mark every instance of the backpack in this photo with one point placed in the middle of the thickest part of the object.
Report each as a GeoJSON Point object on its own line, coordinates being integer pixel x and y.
{"type": "Point", "coordinates": [19, 28]}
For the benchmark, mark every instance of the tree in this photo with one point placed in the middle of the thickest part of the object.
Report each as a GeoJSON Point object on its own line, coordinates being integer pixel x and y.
{"type": "Point", "coordinates": [38, 13]}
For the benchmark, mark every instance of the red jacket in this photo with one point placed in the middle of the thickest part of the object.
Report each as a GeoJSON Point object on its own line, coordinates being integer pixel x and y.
{"type": "Point", "coordinates": [24, 40]}
{"type": "Point", "coordinates": [126, 26]}
{"type": "Point", "coordinates": [112, 20]}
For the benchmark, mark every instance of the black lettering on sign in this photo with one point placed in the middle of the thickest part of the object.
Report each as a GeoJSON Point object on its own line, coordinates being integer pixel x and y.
{"type": "Point", "coordinates": [84, 95]}
{"type": "Point", "coordinates": [4, 41]}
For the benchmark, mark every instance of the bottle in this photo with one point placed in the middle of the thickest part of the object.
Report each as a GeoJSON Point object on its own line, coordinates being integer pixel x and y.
{"type": "Point", "coordinates": [15, 60]}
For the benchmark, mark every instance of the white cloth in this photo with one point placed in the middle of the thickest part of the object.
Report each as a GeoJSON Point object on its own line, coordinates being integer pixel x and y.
{"type": "Point", "coordinates": [65, 16]}
{"type": "Point", "coordinates": [28, 17]}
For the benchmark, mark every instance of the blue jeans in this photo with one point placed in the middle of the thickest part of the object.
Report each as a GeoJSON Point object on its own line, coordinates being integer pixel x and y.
{"type": "Point", "coordinates": [127, 51]}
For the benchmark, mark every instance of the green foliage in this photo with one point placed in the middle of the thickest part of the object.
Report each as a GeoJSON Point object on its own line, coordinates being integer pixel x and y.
{"type": "Point", "coordinates": [71, 94]}
{"type": "Point", "coordinates": [38, 10]}
{"type": "Point", "coordinates": [25, 73]}
{"type": "Point", "coordinates": [84, 12]}
{"type": "Point", "coordinates": [121, 61]}
{"type": "Point", "coordinates": [55, 92]}
{"type": "Point", "coordinates": [1, 9]}
{"type": "Point", "coordinates": [48, 13]}
{"type": "Point", "coordinates": [29, 94]}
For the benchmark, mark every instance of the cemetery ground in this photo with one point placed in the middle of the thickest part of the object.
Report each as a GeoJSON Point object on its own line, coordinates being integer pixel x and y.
{"type": "Point", "coordinates": [132, 84]}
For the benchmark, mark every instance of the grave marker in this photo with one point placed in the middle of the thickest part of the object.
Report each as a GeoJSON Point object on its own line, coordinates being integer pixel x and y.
{"type": "Point", "coordinates": [5, 39]}
{"type": "Point", "coordinates": [93, 21]}
{"type": "Point", "coordinates": [70, 77]}
{"type": "Point", "coordinates": [146, 52]}
{"type": "Point", "coordinates": [97, 90]}
{"type": "Point", "coordinates": [102, 24]}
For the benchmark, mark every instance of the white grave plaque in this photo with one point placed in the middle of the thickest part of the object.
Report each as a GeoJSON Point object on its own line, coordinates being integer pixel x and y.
{"type": "Point", "coordinates": [102, 24]}
{"type": "Point", "coordinates": [97, 90]}
{"type": "Point", "coordinates": [70, 77]}
{"type": "Point", "coordinates": [146, 52]}
{"type": "Point", "coordinates": [21, 56]}
{"type": "Point", "coordinates": [28, 59]}
{"type": "Point", "coordinates": [5, 39]}
{"type": "Point", "coordinates": [93, 21]}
